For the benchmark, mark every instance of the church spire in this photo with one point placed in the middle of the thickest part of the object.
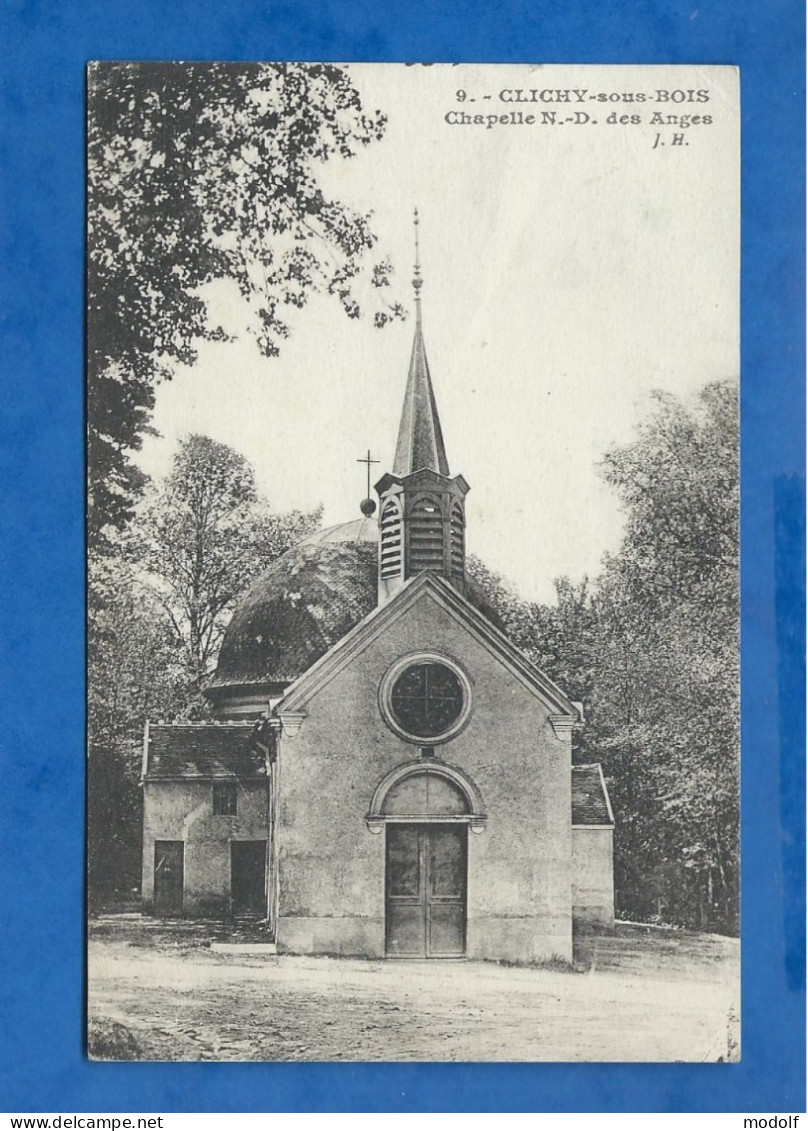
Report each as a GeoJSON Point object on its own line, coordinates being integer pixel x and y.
{"type": "Point", "coordinates": [420, 439]}
{"type": "Point", "coordinates": [422, 520]}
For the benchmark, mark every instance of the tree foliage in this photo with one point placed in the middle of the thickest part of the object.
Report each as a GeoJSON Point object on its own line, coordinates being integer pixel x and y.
{"type": "Point", "coordinates": [133, 674]}
{"type": "Point", "coordinates": [202, 537]}
{"type": "Point", "coordinates": [200, 172]}
{"type": "Point", "coordinates": [669, 601]}
{"type": "Point", "coordinates": [678, 483]}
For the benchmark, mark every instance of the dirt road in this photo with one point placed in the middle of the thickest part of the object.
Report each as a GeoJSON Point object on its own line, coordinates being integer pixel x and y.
{"type": "Point", "coordinates": [644, 997]}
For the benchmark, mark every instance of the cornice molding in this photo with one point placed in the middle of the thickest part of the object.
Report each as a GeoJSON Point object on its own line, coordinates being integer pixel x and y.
{"type": "Point", "coordinates": [564, 725]}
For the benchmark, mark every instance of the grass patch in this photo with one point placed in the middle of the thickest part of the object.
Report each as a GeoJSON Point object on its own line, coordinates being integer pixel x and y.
{"type": "Point", "coordinates": [109, 1040]}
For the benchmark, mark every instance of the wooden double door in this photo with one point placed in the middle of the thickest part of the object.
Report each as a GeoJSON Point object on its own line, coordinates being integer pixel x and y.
{"type": "Point", "coordinates": [426, 885]}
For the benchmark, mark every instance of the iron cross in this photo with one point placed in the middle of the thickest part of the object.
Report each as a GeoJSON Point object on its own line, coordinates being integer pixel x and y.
{"type": "Point", "coordinates": [367, 460]}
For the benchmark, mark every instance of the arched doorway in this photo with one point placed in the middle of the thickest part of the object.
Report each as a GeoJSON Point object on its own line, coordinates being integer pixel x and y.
{"type": "Point", "coordinates": [425, 811]}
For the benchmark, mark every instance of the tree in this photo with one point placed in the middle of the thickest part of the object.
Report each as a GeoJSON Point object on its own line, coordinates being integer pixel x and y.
{"type": "Point", "coordinates": [665, 687]}
{"type": "Point", "coordinates": [650, 647]}
{"type": "Point", "coordinates": [156, 610]}
{"type": "Point", "coordinates": [202, 537]}
{"type": "Point", "coordinates": [678, 483]}
{"type": "Point", "coordinates": [133, 674]}
{"type": "Point", "coordinates": [199, 172]}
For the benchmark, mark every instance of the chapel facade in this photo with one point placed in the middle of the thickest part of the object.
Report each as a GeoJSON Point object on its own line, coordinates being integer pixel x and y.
{"type": "Point", "coordinates": [390, 776]}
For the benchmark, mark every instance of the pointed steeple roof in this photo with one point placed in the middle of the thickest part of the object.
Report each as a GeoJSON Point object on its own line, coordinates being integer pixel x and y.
{"type": "Point", "coordinates": [420, 439]}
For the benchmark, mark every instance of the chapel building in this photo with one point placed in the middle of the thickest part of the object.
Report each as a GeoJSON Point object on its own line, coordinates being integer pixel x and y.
{"type": "Point", "coordinates": [390, 775]}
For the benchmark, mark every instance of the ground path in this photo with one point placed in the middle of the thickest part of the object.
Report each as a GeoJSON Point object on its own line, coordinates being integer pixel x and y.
{"type": "Point", "coordinates": [637, 995]}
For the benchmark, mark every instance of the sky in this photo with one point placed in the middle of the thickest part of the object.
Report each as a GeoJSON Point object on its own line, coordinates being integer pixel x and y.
{"type": "Point", "coordinates": [569, 270]}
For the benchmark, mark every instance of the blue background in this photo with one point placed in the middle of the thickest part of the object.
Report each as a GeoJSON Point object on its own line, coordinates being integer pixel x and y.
{"type": "Point", "coordinates": [46, 44]}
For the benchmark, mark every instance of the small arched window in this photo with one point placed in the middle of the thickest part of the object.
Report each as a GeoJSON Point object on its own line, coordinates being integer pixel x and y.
{"type": "Point", "coordinates": [426, 535]}
{"type": "Point", "coordinates": [390, 546]}
{"type": "Point", "coordinates": [426, 791]}
{"type": "Point", "coordinates": [425, 794]}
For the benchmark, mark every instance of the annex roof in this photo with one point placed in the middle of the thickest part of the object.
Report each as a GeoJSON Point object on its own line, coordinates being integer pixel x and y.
{"type": "Point", "coordinates": [590, 797]}
{"type": "Point", "coordinates": [202, 751]}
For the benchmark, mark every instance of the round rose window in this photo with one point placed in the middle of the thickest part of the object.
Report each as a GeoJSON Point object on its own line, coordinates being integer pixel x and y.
{"type": "Point", "coordinates": [426, 699]}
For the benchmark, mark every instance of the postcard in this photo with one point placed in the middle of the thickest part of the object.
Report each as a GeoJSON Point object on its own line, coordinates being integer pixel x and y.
{"type": "Point", "coordinates": [413, 562]}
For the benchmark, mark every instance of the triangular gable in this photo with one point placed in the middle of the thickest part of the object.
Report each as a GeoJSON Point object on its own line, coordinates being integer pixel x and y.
{"type": "Point", "coordinates": [452, 602]}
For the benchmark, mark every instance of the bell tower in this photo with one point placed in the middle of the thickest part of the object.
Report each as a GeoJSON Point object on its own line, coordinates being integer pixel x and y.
{"type": "Point", "coordinates": [422, 509]}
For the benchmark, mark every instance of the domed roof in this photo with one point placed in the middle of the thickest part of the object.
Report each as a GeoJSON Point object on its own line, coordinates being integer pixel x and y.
{"type": "Point", "coordinates": [305, 602]}
{"type": "Point", "coordinates": [360, 530]}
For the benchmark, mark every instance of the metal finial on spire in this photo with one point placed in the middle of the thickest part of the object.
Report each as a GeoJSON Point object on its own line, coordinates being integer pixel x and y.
{"type": "Point", "coordinates": [417, 281]}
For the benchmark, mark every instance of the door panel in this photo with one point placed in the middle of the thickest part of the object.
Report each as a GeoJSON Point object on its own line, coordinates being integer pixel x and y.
{"type": "Point", "coordinates": [248, 877]}
{"type": "Point", "coordinates": [405, 930]}
{"type": "Point", "coordinates": [447, 862]}
{"type": "Point", "coordinates": [403, 863]}
{"type": "Point", "coordinates": [446, 871]}
{"type": "Point", "coordinates": [405, 895]}
{"type": "Point", "coordinates": [169, 871]}
{"type": "Point", "coordinates": [447, 930]}
{"type": "Point", "coordinates": [426, 890]}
